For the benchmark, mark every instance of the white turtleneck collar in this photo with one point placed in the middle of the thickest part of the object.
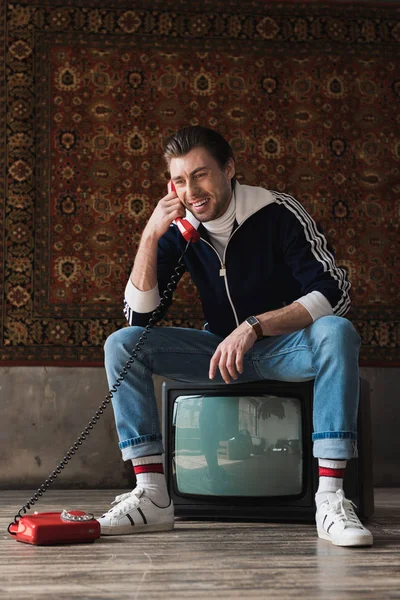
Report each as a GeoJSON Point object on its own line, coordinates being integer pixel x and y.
{"type": "Point", "coordinates": [246, 200]}
{"type": "Point", "coordinates": [220, 229]}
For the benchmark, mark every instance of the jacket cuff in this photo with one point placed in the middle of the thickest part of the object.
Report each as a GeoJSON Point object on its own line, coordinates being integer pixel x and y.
{"type": "Point", "coordinates": [139, 301]}
{"type": "Point", "coordinates": [316, 304]}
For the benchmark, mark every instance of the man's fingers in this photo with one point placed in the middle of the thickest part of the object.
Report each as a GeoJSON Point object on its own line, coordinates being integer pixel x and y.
{"type": "Point", "coordinates": [176, 213]}
{"type": "Point", "coordinates": [218, 361]}
{"type": "Point", "coordinates": [175, 207]}
{"type": "Point", "coordinates": [239, 363]}
{"type": "Point", "coordinates": [224, 372]}
{"type": "Point", "coordinates": [231, 366]}
{"type": "Point", "coordinates": [214, 364]}
{"type": "Point", "coordinates": [170, 196]}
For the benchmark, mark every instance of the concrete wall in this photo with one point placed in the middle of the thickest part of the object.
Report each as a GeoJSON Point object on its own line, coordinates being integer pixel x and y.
{"type": "Point", "coordinates": [44, 410]}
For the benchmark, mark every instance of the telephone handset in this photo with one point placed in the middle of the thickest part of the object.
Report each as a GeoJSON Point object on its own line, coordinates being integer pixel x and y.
{"type": "Point", "coordinates": [187, 230]}
{"type": "Point", "coordinates": [77, 526]}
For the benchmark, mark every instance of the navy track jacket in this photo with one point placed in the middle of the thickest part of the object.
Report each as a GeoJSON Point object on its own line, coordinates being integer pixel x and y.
{"type": "Point", "coordinates": [275, 254]}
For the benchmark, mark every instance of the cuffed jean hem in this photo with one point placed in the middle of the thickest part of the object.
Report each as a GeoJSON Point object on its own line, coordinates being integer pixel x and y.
{"type": "Point", "coordinates": [335, 448]}
{"type": "Point", "coordinates": [141, 439]}
{"type": "Point", "coordinates": [139, 450]}
{"type": "Point", "coordinates": [351, 435]}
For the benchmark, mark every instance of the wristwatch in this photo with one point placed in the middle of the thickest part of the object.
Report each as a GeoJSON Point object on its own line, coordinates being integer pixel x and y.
{"type": "Point", "coordinates": [255, 324]}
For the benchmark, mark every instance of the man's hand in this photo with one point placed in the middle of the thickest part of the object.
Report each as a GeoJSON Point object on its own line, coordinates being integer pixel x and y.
{"type": "Point", "coordinates": [144, 272]}
{"type": "Point", "coordinates": [228, 357]}
{"type": "Point", "coordinates": [167, 209]}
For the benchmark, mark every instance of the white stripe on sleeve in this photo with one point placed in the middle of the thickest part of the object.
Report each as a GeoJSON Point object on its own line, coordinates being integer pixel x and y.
{"type": "Point", "coordinates": [319, 249]}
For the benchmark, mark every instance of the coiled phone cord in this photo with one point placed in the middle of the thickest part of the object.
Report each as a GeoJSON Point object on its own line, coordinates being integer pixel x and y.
{"type": "Point", "coordinates": [63, 463]}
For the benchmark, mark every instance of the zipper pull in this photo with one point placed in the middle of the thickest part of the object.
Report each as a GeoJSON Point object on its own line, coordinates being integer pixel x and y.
{"type": "Point", "coordinates": [222, 271]}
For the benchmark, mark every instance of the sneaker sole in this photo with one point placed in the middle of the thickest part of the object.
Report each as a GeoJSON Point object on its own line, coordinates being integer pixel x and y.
{"type": "Point", "coordinates": [132, 529]}
{"type": "Point", "coordinates": [356, 541]}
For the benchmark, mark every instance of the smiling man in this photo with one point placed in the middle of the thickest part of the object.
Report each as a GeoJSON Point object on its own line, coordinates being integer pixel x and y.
{"type": "Point", "coordinates": [273, 302]}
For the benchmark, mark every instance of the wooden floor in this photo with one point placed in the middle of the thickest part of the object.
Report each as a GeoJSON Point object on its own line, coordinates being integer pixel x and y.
{"type": "Point", "coordinates": [201, 559]}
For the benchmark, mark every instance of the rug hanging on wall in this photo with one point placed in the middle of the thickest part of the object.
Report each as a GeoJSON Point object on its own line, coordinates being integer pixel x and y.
{"type": "Point", "coordinates": [307, 94]}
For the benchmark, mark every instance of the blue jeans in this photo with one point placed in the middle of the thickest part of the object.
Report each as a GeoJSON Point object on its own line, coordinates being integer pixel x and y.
{"type": "Point", "coordinates": [326, 351]}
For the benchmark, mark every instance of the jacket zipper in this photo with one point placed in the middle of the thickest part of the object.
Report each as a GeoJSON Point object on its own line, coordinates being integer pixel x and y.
{"type": "Point", "coordinates": [222, 270]}
{"type": "Point", "coordinates": [222, 273]}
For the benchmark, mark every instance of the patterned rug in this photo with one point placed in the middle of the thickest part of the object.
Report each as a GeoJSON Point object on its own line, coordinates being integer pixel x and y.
{"type": "Point", "coordinates": [307, 94]}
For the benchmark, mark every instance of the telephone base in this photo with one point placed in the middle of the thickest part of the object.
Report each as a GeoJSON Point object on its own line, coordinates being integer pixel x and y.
{"type": "Point", "coordinates": [52, 528]}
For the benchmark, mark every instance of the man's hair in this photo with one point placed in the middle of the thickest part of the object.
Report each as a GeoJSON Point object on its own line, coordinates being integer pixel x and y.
{"type": "Point", "coordinates": [184, 140]}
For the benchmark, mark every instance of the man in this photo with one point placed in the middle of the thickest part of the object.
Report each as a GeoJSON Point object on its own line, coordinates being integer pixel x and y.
{"type": "Point", "coordinates": [273, 299]}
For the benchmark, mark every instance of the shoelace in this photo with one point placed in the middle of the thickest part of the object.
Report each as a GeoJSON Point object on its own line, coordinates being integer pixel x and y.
{"type": "Point", "coordinates": [343, 510]}
{"type": "Point", "coordinates": [126, 502]}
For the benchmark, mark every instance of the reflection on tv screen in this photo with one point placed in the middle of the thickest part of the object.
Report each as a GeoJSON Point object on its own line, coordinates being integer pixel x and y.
{"type": "Point", "coordinates": [238, 446]}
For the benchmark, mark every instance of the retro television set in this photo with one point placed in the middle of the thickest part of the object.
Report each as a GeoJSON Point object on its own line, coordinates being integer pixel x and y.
{"type": "Point", "coordinates": [244, 451]}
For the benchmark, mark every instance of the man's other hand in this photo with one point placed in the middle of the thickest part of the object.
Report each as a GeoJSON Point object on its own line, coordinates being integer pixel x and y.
{"type": "Point", "coordinates": [228, 357]}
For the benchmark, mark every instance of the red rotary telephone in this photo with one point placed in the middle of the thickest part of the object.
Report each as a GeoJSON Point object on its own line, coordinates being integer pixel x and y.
{"type": "Point", "coordinates": [50, 528]}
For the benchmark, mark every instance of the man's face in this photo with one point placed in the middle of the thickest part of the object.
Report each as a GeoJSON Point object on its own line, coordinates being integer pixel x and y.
{"type": "Point", "coordinates": [201, 185]}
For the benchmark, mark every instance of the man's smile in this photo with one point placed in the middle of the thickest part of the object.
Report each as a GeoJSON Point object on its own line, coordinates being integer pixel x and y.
{"type": "Point", "coordinates": [200, 204]}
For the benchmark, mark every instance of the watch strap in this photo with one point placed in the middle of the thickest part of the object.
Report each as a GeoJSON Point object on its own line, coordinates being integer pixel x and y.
{"type": "Point", "coordinates": [255, 324]}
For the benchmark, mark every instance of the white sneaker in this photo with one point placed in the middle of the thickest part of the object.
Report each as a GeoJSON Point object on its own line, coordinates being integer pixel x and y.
{"type": "Point", "coordinates": [135, 512]}
{"type": "Point", "coordinates": [338, 523]}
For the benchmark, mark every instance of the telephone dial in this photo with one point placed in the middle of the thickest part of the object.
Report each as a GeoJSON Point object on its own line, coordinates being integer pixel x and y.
{"type": "Point", "coordinates": [76, 526]}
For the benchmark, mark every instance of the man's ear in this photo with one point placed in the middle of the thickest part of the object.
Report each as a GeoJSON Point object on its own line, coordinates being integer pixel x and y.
{"type": "Point", "coordinates": [229, 168]}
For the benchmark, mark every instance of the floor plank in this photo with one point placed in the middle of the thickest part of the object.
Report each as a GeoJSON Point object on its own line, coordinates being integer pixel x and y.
{"type": "Point", "coordinates": [201, 559]}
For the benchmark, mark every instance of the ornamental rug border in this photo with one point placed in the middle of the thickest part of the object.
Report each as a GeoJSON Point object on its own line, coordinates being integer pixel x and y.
{"type": "Point", "coordinates": [64, 253]}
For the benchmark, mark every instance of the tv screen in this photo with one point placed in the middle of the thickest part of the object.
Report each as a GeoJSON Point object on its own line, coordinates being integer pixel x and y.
{"type": "Point", "coordinates": [223, 444]}
{"type": "Point", "coordinates": [245, 450]}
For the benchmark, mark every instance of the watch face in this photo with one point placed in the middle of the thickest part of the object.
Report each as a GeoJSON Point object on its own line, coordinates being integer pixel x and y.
{"type": "Point", "coordinates": [252, 321]}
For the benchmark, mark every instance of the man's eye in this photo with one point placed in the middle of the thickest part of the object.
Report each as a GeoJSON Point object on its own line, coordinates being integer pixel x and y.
{"type": "Point", "coordinates": [198, 175]}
